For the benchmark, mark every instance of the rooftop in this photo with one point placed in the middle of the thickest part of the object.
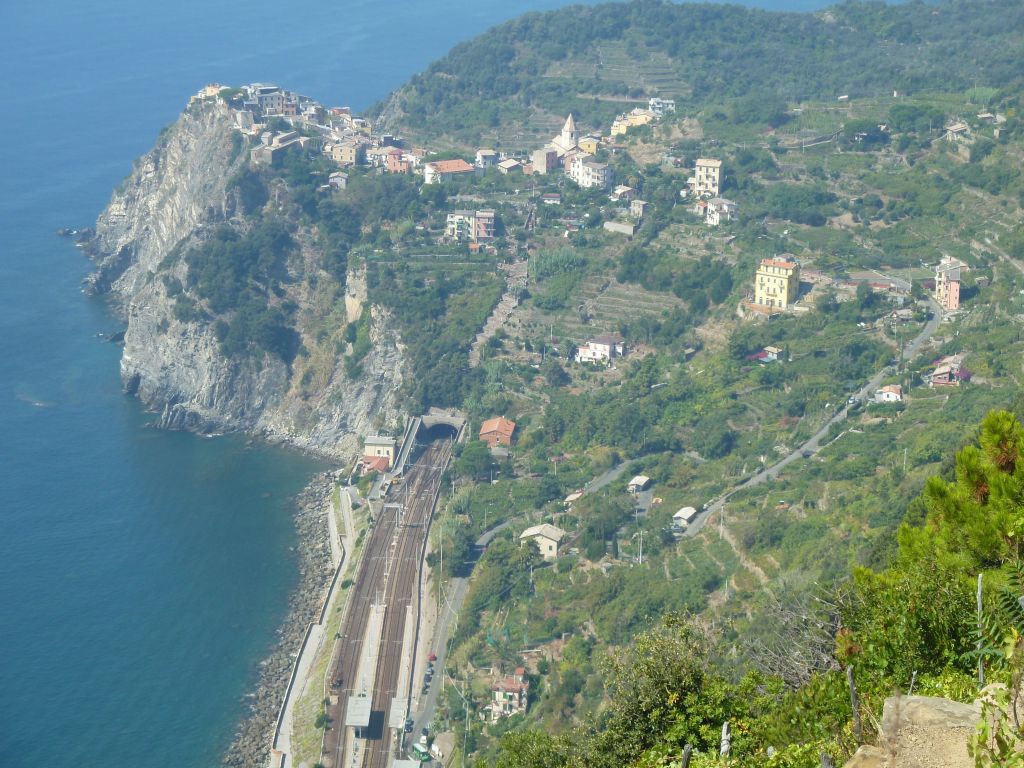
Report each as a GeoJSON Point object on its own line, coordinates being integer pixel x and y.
{"type": "Point", "coordinates": [780, 263]}
{"type": "Point", "coordinates": [546, 530]}
{"type": "Point", "coordinates": [451, 166]}
{"type": "Point", "coordinates": [498, 424]}
{"type": "Point", "coordinates": [357, 713]}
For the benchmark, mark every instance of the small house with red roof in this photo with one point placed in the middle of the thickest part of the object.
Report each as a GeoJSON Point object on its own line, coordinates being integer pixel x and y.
{"type": "Point", "coordinates": [497, 431]}
{"type": "Point", "coordinates": [510, 695]}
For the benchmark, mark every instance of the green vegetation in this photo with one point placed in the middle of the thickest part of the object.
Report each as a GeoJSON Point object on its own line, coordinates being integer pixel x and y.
{"type": "Point", "coordinates": [238, 278]}
{"type": "Point", "coordinates": [710, 55]}
{"type": "Point", "coordinates": [854, 554]}
{"type": "Point", "coordinates": [698, 408]}
{"type": "Point", "coordinates": [914, 619]}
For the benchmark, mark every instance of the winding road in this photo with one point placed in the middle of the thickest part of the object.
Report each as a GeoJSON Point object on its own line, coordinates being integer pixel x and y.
{"type": "Point", "coordinates": [813, 443]}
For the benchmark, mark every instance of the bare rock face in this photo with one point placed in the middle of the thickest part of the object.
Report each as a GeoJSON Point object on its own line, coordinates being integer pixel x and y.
{"type": "Point", "coordinates": [176, 193]}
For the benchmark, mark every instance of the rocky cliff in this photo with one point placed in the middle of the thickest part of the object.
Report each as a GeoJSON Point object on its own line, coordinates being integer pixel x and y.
{"type": "Point", "coordinates": [175, 195]}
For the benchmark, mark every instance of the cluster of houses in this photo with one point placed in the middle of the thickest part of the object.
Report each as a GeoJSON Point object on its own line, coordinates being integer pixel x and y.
{"type": "Point", "coordinates": [656, 109]}
{"type": "Point", "coordinates": [349, 141]}
{"type": "Point", "coordinates": [573, 154]}
{"type": "Point", "coordinates": [704, 187]}
{"type": "Point", "coordinates": [346, 139]}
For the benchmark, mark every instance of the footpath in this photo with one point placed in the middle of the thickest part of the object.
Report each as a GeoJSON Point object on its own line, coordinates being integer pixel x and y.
{"type": "Point", "coordinates": [341, 530]}
{"type": "Point", "coordinates": [515, 281]}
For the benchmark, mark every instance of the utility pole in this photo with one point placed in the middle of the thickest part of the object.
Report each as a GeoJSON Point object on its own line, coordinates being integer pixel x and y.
{"type": "Point", "coordinates": [641, 547]}
{"type": "Point", "coordinates": [981, 662]}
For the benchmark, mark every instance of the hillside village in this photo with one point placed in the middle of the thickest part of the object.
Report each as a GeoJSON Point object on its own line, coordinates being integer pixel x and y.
{"type": "Point", "coordinates": [602, 357]}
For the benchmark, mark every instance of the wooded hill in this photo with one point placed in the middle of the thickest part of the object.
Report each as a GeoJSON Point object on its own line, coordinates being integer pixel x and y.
{"type": "Point", "coordinates": [525, 71]}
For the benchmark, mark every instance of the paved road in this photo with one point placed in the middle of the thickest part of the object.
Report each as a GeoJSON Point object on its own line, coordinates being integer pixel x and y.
{"type": "Point", "coordinates": [813, 444]}
{"type": "Point", "coordinates": [451, 605]}
{"type": "Point", "coordinates": [605, 478]}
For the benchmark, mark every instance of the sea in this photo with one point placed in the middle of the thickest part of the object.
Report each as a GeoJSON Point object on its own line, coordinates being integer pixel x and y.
{"type": "Point", "coordinates": [143, 573]}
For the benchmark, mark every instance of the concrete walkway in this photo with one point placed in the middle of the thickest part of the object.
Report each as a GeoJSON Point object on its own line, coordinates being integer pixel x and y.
{"type": "Point", "coordinates": [342, 538]}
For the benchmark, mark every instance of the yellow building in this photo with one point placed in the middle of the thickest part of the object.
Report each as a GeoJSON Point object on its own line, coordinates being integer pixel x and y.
{"type": "Point", "coordinates": [634, 119]}
{"type": "Point", "coordinates": [590, 144]}
{"type": "Point", "coordinates": [777, 283]}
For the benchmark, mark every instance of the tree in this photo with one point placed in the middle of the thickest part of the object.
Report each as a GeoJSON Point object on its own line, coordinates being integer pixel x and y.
{"type": "Point", "coordinates": [554, 373]}
{"type": "Point", "coordinates": [475, 459]}
{"type": "Point", "coordinates": [532, 749]}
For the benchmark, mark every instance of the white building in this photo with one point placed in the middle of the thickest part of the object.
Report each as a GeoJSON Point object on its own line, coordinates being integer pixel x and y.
{"type": "Point", "coordinates": [661, 107]}
{"type": "Point", "coordinates": [707, 177]}
{"type": "Point", "coordinates": [547, 538]}
{"type": "Point", "coordinates": [567, 140]}
{"type": "Point", "coordinates": [683, 517]}
{"type": "Point", "coordinates": [718, 210]}
{"type": "Point", "coordinates": [601, 349]}
{"type": "Point", "coordinates": [486, 158]}
{"type": "Point", "coordinates": [638, 483]}
{"type": "Point", "coordinates": [893, 393]}
{"type": "Point", "coordinates": [588, 173]}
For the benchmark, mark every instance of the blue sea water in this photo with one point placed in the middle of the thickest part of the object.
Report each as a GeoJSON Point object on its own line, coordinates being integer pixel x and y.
{"type": "Point", "coordinates": [143, 573]}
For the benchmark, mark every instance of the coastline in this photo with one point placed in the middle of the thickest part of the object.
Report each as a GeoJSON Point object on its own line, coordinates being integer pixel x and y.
{"type": "Point", "coordinates": [251, 742]}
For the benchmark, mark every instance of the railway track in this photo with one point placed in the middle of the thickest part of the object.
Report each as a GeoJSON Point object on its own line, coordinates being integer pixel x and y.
{"type": "Point", "coordinates": [388, 574]}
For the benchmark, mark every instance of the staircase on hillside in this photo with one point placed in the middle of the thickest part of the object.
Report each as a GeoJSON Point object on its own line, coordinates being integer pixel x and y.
{"type": "Point", "coordinates": [515, 282]}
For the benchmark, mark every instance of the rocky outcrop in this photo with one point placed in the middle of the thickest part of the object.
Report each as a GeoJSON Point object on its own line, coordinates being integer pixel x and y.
{"type": "Point", "coordinates": [921, 732]}
{"type": "Point", "coordinates": [175, 194]}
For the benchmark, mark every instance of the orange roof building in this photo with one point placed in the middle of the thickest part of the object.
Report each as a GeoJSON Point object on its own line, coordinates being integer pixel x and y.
{"type": "Point", "coordinates": [497, 431]}
{"type": "Point", "coordinates": [375, 464]}
{"type": "Point", "coordinates": [445, 170]}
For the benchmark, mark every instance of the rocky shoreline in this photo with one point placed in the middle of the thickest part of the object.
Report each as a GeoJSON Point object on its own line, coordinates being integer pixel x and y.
{"type": "Point", "coordinates": [250, 747]}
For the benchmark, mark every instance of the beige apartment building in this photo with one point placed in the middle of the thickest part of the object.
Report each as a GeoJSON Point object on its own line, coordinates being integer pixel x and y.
{"type": "Point", "coordinates": [707, 177]}
{"type": "Point", "coordinates": [777, 283]}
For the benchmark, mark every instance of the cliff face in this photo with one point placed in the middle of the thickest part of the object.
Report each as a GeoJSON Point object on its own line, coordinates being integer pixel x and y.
{"type": "Point", "coordinates": [176, 193]}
